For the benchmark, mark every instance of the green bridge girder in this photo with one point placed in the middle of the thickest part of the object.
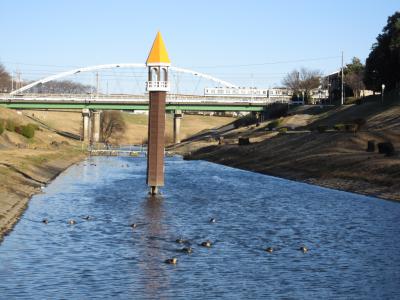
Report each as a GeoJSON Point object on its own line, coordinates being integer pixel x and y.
{"type": "Point", "coordinates": [127, 106]}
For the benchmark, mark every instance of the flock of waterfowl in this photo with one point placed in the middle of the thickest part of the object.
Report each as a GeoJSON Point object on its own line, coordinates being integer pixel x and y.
{"type": "Point", "coordinates": [187, 250]}
{"type": "Point", "coordinates": [208, 244]}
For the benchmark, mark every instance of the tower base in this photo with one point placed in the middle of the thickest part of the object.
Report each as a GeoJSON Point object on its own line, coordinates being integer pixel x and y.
{"type": "Point", "coordinates": [154, 190]}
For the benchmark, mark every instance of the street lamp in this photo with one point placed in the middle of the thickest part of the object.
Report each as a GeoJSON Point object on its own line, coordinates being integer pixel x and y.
{"type": "Point", "coordinates": [329, 93]}
{"type": "Point", "coordinates": [319, 96]}
{"type": "Point", "coordinates": [383, 90]}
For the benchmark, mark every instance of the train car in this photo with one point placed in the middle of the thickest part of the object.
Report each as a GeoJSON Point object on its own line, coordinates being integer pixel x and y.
{"type": "Point", "coordinates": [247, 92]}
{"type": "Point", "coordinates": [236, 92]}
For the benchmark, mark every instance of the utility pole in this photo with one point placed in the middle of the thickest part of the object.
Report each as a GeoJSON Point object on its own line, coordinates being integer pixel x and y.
{"type": "Point", "coordinates": [18, 83]}
{"type": "Point", "coordinates": [12, 81]}
{"type": "Point", "coordinates": [97, 85]}
{"type": "Point", "coordinates": [342, 97]}
{"type": "Point", "coordinates": [252, 88]}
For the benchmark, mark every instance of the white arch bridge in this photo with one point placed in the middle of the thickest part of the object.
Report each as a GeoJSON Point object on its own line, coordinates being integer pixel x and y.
{"type": "Point", "coordinates": [21, 99]}
{"type": "Point", "coordinates": [92, 104]}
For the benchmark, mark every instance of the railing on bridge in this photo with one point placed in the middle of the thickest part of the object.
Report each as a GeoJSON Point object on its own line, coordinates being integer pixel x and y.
{"type": "Point", "coordinates": [120, 150]}
{"type": "Point", "coordinates": [171, 98]}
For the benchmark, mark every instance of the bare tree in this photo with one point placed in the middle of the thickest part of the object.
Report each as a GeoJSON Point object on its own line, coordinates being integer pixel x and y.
{"type": "Point", "coordinates": [292, 80]}
{"type": "Point", "coordinates": [5, 80]}
{"type": "Point", "coordinates": [309, 79]}
{"type": "Point", "coordinates": [303, 81]}
{"type": "Point", "coordinates": [112, 125]}
{"type": "Point", "coordinates": [353, 76]}
{"type": "Point", "coordinates": [63, 87]}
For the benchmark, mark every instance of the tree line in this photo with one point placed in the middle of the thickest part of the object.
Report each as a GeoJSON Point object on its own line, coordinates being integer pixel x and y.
{"type": "Point", "coordinates": [381, 67]}
{"type": "Point", "coordinates": [51, 87]}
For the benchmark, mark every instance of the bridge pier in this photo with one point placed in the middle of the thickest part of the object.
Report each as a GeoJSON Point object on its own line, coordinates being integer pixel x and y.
{"type": "Point", "coordinates": [177, 125]}
{"type": "Point", "coordinates": [97, 126]}
{"type": "Point", "coordinates": [86, 125]}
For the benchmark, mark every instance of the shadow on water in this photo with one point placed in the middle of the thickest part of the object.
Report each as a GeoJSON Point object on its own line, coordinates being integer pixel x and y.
{"type": "Point", "coordinates": [151, 254]}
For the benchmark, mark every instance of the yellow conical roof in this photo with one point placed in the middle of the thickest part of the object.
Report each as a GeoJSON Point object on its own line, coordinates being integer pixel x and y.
{"type": "Point", "coordinates": [158, 53]}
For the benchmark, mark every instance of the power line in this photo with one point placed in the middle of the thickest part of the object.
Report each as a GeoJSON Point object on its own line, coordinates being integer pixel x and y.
{"type": "Point", "coordinates": [214, 66]}
{"type": "Point", "coordinates": [266, 63]}
{"type": "Point", "coordinates": [36, 65]}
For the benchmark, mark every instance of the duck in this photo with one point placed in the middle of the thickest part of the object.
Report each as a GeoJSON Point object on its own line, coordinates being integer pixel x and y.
{"type": "Point", "coordinates": [71, 222]}
{"type": "Point", "coordinates": [212, 220]}
{"type": "Point", "coordinates": [133, 225]}
{"type": "Point", "coordinates": [45, 221]}
{"type": "Point", "coordinates": [269, 249]}
{"type": "Point", "coordinates": [206, 244]}
{"type": "Point", "coordinates": [171, 261]}
{"type": "Point", "coordinates": [188, 250]}
{"type": "Point", "coordinates": [180, 241]}
{"type": "Point", "coordinates": [87, 217]}
{"type": "Point", "coordinates": [304, 249]}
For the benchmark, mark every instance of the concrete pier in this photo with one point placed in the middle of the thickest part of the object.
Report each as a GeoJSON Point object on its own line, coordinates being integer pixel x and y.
{"type": "Point", "coordinates": [177, 126]}
{"type": "Point", "coordinates": [97, 126]}
{"type": "Point", "coordinates": [86, 125]}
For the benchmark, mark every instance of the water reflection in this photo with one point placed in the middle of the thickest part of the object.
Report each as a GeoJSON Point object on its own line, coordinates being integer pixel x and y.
{"type": "Point", "coordinates": [152, 252]}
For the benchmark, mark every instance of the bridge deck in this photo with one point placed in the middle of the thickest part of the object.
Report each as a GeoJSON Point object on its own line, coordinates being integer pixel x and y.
{"type": "Point", "coordinates": [136, 102]}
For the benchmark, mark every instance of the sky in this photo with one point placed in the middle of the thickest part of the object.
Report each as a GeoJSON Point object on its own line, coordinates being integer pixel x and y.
{"type": "Point", "coordinates": [248, 42]}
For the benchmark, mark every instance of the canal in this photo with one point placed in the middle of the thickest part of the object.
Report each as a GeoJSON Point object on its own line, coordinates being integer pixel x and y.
{"type": "Point", "coordinates": [353, 240]}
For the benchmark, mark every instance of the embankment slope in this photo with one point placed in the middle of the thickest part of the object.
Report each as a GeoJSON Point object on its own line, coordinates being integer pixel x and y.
{"type": "Point", "coordinates": [28, 164]}
{"type": "Point", "coordinates": [332, 159]}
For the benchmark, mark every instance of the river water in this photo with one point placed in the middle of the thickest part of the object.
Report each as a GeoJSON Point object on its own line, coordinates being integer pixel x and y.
{"type": "Point", "coordinates": [353, 240]}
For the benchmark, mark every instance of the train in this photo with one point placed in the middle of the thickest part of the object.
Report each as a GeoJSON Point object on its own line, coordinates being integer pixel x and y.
{"type": "Point", "coordinates": [248, 92]}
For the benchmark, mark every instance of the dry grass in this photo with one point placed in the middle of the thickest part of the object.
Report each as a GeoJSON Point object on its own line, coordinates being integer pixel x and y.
{"type": "Point", "coordinates": [25, 164]}
{"type": "Point", "coordinates": [332, 159]}
{"type": "Point", "coordinates": [136, 129]}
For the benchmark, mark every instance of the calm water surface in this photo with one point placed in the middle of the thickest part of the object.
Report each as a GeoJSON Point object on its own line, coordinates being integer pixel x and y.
{"type": "Point", "coordinates": [354, 241]}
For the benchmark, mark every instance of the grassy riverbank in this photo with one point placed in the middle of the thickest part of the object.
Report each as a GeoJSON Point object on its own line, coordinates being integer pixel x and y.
{"type": "Point", "coordinates": [335, 159]}
{"type": "Point", "coordinates": [27, 164]}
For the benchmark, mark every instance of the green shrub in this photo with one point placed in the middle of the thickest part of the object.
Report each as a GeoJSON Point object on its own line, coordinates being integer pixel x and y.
{"type": "Point", "coordinates": [10, 125]}
{"type": "Point", "coordinates": [339, 127]}
{"type": "Point", "coordinates": [1, 127]}
{"type": "Point", "coordinates": [34, 126]}
{"type": "Point", "coordinates": [283, 130]}
{"type": "Point", "coordinates": [28, 131]}
{"type": "Point", "coordinates": [322, 128]}
{"type": "Point", "coordinates": [273, 124]}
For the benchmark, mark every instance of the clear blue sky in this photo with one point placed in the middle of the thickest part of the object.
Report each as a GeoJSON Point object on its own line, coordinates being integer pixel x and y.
{"type": "Point", "coordinates": [210, 36]}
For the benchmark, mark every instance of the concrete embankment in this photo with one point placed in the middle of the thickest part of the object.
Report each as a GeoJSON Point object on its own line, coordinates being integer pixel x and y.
{"type": "Point", "coordinates": [334, 159]}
